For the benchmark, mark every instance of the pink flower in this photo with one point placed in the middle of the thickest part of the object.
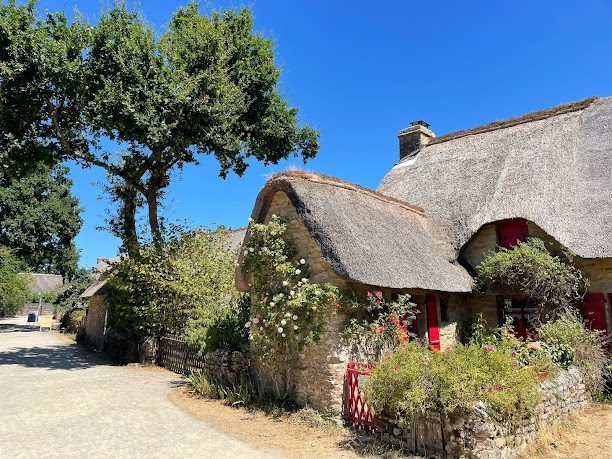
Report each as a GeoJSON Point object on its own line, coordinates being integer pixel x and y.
{"type": "Point", "coordinates": [514, 353]}
{"type": "Point", "coordinates": [484, 391]}
{"type": "Point", "coordinates": [395, 369]}
{"type": "Point", "coordinates": [369, 295]}
{"type": "Point", "coordinates": [379, 294]}
{"type": "Point", "coordinates": [514, 361]}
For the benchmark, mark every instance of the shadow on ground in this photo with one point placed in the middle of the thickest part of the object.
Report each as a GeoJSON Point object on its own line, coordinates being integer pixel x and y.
{"type": "Point", "coordinates": [53, 357]}
{"type": "Point", "coordinates": [11, 328]}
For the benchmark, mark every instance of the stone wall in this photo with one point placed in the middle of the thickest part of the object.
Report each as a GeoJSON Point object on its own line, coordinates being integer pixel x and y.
{"type": "Point", "coordinates": [228, 367]}
{"type": "Point", "coordinates": [95, 322]}
{"type": "Point", "coordinates": [478, 435]}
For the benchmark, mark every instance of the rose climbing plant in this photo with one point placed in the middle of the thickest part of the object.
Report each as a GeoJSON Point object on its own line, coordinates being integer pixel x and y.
{"type": "Point", "coordinates": [288, 311]}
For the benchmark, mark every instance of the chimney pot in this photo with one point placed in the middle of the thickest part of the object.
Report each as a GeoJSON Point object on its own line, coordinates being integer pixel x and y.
{"type": "Point", "coordinates": [412, 139]}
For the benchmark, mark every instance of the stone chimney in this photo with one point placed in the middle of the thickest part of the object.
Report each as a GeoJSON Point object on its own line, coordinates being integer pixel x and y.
{"type": "Point", "coordinates": [412, 139]}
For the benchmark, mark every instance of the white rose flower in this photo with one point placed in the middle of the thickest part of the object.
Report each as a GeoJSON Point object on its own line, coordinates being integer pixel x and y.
{"type": "Point", "coordinates": [305, 280]}
{"type": "Point", "coordinates": [314, 308]}
{"type": "Point", "coordinates": [283, 322]}
{"type": "Point", "coordinates": [272, 303]}
{"type": "Point", "coordinates": [302, 261]}
{"type": "Point", "coordinates": [287, 314]}
{"type": "Point", "coordinates": [251, 249]}
{"type": "Point", "coordinates": [247, 325]}
{"type": "Point", "coordinates": [295, 317]}
{"type": "Point", "coordinates": [273, 215]}
{"type": "Point", "coordinates": [295, 327]}
{"type": "Point", "coordinates": [283, 335]}
{"type": "Point", "coordinates": [260, 328]}
{"type": "Point", "coordinates": [317, 292]}
{"type": "Point", "coordinates": [297, 271]}
{"type": "Point", "coordinates": [280, 329]}
{"type": "Point", "coordinates": [285, 283]}
{"type": "Point", "coordinates": [245, 253]}
{"type": "Point", "coordinates": [291, 293]}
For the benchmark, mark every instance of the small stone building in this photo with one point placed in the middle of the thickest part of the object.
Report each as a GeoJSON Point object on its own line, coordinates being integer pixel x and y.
{"type": "Point", "coordinates": [446, 203]}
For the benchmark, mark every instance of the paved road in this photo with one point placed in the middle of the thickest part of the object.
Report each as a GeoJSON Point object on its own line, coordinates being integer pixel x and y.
{"type": "Point", "coordinates": [58, 400]}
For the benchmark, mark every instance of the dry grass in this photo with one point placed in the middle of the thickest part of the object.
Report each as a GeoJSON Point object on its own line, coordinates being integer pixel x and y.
{"type": "Point", "coordinates": [587, 434]}
{"type": "Point", "coordinates": [301, 434]}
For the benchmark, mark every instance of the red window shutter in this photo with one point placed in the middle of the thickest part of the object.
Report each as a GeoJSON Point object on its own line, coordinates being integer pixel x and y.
{"type": "Point", "coordinates": [594, 311]}
{"type": "Point", "coordinates": [432, 322]}
{"type": "Point", "coordinates": [512, 231]}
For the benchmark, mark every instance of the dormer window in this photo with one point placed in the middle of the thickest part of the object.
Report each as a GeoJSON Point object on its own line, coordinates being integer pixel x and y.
{"type": "Point", "coordinates": [511, 231]}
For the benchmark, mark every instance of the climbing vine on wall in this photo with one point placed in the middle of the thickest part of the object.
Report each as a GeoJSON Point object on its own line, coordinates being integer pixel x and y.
{"type": "Point", "coordinates": [288, 311]}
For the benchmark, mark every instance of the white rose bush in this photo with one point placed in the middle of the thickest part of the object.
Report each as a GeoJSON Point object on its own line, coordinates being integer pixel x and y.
{"type": "Point", "coordinates": [288, 312]}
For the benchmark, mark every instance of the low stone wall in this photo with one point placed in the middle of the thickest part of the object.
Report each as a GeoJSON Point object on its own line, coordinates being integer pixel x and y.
{"type": "Point", "coordinates": [481, 437]}
{"type": "Point", "coordinates": [229, 367]}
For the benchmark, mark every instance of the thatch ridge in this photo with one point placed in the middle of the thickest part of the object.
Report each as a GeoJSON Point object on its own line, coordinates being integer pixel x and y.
{"type": "Point", "coordinates": [527, 118]}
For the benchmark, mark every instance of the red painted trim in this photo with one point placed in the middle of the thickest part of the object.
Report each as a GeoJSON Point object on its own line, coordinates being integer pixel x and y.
{"type": "Point", "coordinates": [511, 231]}
{"type": "Point", "coordinates": [432, 322]}
{"type": "Point", "coordinates": [594, 311]}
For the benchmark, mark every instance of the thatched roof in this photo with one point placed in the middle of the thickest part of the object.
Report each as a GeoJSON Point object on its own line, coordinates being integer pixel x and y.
{"type": "Point", "coordinates": [45, 283]}
{"type": "Point", "coordinates": [365, 236]}
{"type": "Point", "coordinates": [553, 168]}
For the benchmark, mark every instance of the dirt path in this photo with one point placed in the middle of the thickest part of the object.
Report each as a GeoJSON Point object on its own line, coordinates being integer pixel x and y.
{"type": "Point", "coordinates": [58, 400]}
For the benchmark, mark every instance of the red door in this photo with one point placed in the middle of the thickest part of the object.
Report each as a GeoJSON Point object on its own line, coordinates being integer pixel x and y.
{"type": "Point", "coordinates": [432, 322]}
{"type": "Point", "coordinates": [594, 310]}
{"type": "Point", "coordinates": [512, 231]}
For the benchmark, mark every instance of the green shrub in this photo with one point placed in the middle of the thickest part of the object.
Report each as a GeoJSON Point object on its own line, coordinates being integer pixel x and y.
{"type": "Point", "coordinates": [14, 287]}
{"type": "Point", "coordinates": [529, 268]}
{"type": "Point", "coordinates": [191, 279]}
{"type": "Point", "coordinates": [74, 320]}
{"type": "Point", "coordinates": [569, 342]}
{"type": "Point", "coordinates": [205, 385]}
{"type": "Point", "coordinates": [412, 380]}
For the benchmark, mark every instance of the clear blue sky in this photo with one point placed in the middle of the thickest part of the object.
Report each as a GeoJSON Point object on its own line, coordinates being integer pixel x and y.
{"type": "Point", "coordinates": [360, 71]}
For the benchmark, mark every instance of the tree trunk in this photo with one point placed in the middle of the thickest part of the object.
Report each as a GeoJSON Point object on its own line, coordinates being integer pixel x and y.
{"type": "Point", "coordinates": [152, 207]}
{"type": "Point", "coordinates": [129, 205]}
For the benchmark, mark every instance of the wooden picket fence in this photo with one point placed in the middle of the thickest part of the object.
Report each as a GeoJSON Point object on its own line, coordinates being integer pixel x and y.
{"type": "Point", "coordinates": [176, 355]}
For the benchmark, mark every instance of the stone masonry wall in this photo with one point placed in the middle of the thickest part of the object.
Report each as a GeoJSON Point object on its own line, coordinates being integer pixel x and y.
{"type": "Point", "coordinates": [479, 436]}
{"type": "Point", "coordinates": [94, 322]}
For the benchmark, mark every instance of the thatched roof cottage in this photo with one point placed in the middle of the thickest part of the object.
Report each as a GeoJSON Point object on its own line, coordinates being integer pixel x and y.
{"type": "Point", "coordinates": [447, 202]}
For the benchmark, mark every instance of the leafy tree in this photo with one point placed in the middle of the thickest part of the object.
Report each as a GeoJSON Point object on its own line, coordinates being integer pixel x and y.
{"type": "Point", "coordinates": [14, 287]}
{"type": "Point", "coordinates": [188, 286]}
{"type": "Point", "coordinates": [208, 85]}
{"type": "Point", "coordinates": [39, 218]}
{"type": "Point", "coordinates": [69, 296]}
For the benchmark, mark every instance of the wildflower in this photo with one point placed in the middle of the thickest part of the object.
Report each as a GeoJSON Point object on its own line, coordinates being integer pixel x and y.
{"type": "Point", "coordinates": [484, 391]}
{"type": "Point", "coordinates": [251, 249]}
{"type": "Point", "coordinates": [369, 295]}
{"type": "Point", "coordinates": [295, 327]}
{"type": "Point", "coordinates": [272, 303]}
{"type": "Point", "coordinates": [295, 317]}
{"type": "Point", "coordinates": [280, 329]}
{"type": "Point", "coordinates": [515, 362]}
{"type": "Point", "coordinates": [283, 322]}
{"type": "Point", "coordinates": [285, 283]}
{"type": "Point", "coordinates": [305, 280]}
{"type": "Point", "coordinates": [379, 294]}
{"type": "Point", "coordinates": [514, 353]}
{"type": "Point", "coordinates": [291, 293]}
{"type": "Point", "coordinates": [274, 216]}
{"type": "Point", "coordinates": [297, 271]}
{"type": "Point", "coordinates": [302, 261]}
{"type": "Point", "coordinates": [283, 335]}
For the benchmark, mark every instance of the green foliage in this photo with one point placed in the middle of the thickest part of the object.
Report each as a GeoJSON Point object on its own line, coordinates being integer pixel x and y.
{"type": "Point", "coordinates": [142, 105]}
{"type": "Point", "coordinates": [39, 218]}
{"type": "Point", "coordinates": [205, 385]}
{"type": "Point", "coordinates": [69, 296]}
{"type": "Point", "coordinates": [412, 380]}
{"type": "Point", "coordinates": [569, 342]}
{"type": "Point", "coordinates": [73, 321]}
{"type": "Point", "coordinates": [220, 326]}
{"type": "Point", "coordinates": [287, 311]}
{"type": "Point", "coordinates": [14, 287]}
{"type": "Point", "coordinates": [192, 278]}
{"type": "Point", "coordinates": [530, 269]}
{"type": "Point", "coordinates": [375, 326]}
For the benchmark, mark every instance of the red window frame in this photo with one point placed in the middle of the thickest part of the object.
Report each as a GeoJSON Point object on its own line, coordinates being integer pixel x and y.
{"type": "Point", "coordinates": [511, 231]}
